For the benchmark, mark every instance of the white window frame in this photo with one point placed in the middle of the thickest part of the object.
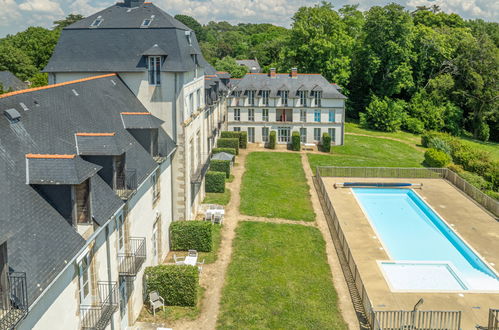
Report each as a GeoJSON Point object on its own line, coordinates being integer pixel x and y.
{"type": "Point", "coordinates": [84, 278]}
{"type": "Point", "coordinates": [265, 97]}
{"type": "Point", "coordinates": [284, 98]}
{"type": "Point", "coordinates": [303, 98]}
{"type": "Point", "coordinates": [251, 114]}
{"type": "Point", "coordinates": [332, 133]}
{"type": "Point", "coordinates": [303, 115]}
{"type": "Point", "coordinates": [251, 134]}
{"type": "Point", "coordinates": [317, 133]}
{"type": "Point", "coordinates": [318, 98]}
{"type": "Point", "coordinates": [265, 114]}
{"type": "Point", "coordinates": [265, 134]}
{"type": "Point", "coordinates": [237, 114]}
{"type": "Point", "coordinates": [251, 97]}
{"type": "Point", "coordinates": [120, 224]}
{"type": "Point", "coordinates": [237, 129]}
{"type": "Point", "coordinates": [317, 116]}
{"type": "Point", "coordinates": [332, 115]}
{"type": "Point", "coordinates": [154, 70]}
{"type": "Point", "coordinates": [303, 134]}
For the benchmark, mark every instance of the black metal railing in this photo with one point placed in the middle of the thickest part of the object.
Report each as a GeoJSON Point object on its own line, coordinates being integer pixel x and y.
{"type": "Point", "coordinates": [199, 173]}
{"type": "Point", "coordinates": [129, 262]}
{"type": "Point", "coordinates": [493, 319]}
{"type": "Point", "coordinates": [14, 305]}
{"type": "Point", "coordinates": [126, 183]}
{"type": "Point", "coordinates": [98, 315]}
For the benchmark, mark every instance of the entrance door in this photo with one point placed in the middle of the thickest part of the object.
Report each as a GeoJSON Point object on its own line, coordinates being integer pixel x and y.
{"type": "Point", "coordinates": [84, 278]}
{"type": "Point", "coordinates": [123, 303]}
{"type": "Point", "coordinates": [283, 134]}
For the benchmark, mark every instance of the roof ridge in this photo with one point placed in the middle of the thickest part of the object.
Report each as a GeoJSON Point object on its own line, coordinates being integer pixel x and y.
{"type": "Point", "coordinates": [56, 85]}
{"type": "Point", "coordinates": [95, 134]}
{"type": "Point", "coordinates": [49, 156]}
{"type": "Point", "coordinates": [135, 113]}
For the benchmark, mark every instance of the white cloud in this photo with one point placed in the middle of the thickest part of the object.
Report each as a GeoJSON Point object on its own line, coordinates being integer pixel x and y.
{"type": "Point", "coordinates": [485, 9]}
{"type": "Point", "coordinates": [85, 8]}
{"type": "Point", "coordinates": [43, 6]}
{"type": "Point", "coordinates": [9, 12]}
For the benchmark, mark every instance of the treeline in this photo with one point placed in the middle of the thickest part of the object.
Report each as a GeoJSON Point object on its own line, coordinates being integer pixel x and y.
{"type": "Point", "coordinates": [417, 71]}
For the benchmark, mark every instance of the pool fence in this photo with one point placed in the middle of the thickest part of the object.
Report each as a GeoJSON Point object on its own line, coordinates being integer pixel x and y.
{"type": "Point", "coordinates": [493, 319]}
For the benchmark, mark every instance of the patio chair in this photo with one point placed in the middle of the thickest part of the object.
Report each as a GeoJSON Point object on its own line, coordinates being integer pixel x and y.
{"type": "Point", "coordinates": [178, 260]}
{"type": "Point", "coordinates": [200, 266]}
{"type": "Point", "coordinates": [217, 218]}
{"type": "Point", "coordinates": [156, 301]}
{"type": "Point", "coordinates": [192, 253]}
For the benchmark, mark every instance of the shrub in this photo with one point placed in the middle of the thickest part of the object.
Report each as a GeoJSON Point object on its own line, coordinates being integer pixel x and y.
{"type": "Point", "coordinates": [220, 166]}
{"type": "Point", "coordinates": [483, 131]}
{"type": "Point", "coordinates": [439, 144]}
{"type": "Point", "coordinates": [242, 136]}
{"type": "Point", "coordinates": [215, 182]}
{"type": "Point", "coordinates": [295, 141]}
{"type": "Point", "coordinates": [326, 142]}
{"type": "Point", "coordinates": [231, 151]}
{"type": "Point", "coordinates": [229, 143]}
{"type": "Point", "coordinates": [383, 114]}
{"type": "Point", "coordinates": [414, 125]}
{"type": "Point", "coordinates": [178, 285]}
{"type": "Point", "coordinates": [272, 140]}
{"type": "Point", "coordinates": [436, 158]}
{"type": "Point", "coordinates": [191, 235]}
{"type": "Point", "coordinates": [455, 168]}
{"type": "Point", "coordinates": [475, 180]}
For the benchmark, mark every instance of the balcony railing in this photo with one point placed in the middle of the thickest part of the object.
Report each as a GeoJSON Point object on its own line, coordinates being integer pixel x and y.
{"type": "Point", "coordinates": [126, 183]}
{"type": "Point", "coordinates": [129, 262]}
{"type": "Point", "coordinates": [493, 319]}
{"type": "Point", "coordinates": [198, 175]}
{"type": "Point", "coordinates": [97, 316]}
{"type": "Point", "coordinates": [13, 306]}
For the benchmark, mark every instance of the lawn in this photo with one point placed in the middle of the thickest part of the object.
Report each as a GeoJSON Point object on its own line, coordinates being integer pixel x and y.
{"type": "Point", "coordinates": [405, 136]}
{"type": "Point", "coordinates": [369, 151]}
{"type": "Point", "coordinates": [279, 278]}
{"type": "Point", "coordinates": [218, 198]}
{"type": "Point", "coordinates": [274, 186]}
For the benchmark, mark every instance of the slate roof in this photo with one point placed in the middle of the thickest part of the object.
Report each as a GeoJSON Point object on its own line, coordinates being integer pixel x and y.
{"type": "Point", "coordinates": [119, 43]}
{"type": "Point", "coordinates": [283, 81]}
{"type": "Point", "coordinates": [223, 156]}
{"type": "Point", "coordinates": [39, 240]}
{"type": "Point", "coordinates": [140, 120]}
{"type": "Point", "coordinates": [51, 170]}
{"type": "Point", "coordinates": [95, 144]}
{"type": "Point", "coordinates": [252, 65]}
{"type": "Point", "coordinates": [9, 81]}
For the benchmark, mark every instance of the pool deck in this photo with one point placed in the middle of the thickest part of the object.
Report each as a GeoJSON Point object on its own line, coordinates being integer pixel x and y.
{"type": "Point", "coordinates": [475, 226]}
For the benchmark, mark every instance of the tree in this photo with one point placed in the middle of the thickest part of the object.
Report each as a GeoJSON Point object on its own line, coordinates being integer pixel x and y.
{"type": "Point", "coordinates": [194, 25]}
{"type": "Point", "coordinates": [228, 64]}
{"type": "Point", "coordinates": [16, 61]}
{"type": "Point", "coordinates": [70, 19]}
{"type": "Point", "coordinates": [383, 114]}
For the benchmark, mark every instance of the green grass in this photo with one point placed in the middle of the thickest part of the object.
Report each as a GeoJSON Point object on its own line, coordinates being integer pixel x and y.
{"type": "Point", "coordinates": [279, 278]}
{"type": "Point", "coordinates": [369, 152]}
{"type": "Point", "coordinates": [274, 186]}
{"type": "Point", "coordinates": [210, 257]}
{"type": "Point", "coordinates": [405, 136]}
{"type": "Point", "coordinates": [491, 147]}
{"type": "Point", "coordinates": [218, 198]}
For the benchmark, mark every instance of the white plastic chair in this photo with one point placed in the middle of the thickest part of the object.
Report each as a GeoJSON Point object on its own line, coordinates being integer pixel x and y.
{"type": "Point", "coordinates": [156, 301]}
{"type": "Point", "coordinates": [200, 266]}
{"type": "Point", "coordinates": [217, 218]}
{"type": "Point", "coordinates": [192, 253]}
{"type": "Point", "coordinates": [178, 260]}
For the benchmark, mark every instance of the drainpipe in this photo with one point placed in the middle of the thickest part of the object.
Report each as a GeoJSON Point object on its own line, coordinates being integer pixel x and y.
{"type": "Point", "coordinates": [109, 277]}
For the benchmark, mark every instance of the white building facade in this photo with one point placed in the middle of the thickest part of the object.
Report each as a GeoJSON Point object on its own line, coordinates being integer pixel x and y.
{"type": "Point", "coordinates": [285, 103]}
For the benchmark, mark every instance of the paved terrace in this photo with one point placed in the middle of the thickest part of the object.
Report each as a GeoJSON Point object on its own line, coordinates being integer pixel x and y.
{"type": "Point", "coordinates": [477, 227]}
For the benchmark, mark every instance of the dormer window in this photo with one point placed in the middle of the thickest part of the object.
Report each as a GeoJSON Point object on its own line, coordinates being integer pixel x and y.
{"type": "Point", "coordinates": [251, 97]}
{"type": "Point", "coordinates": [147, 22]}
{"type": "Point", "coordinates": [303, 98]}
{"type": "Point", "coordinates": [284, 97]}
{"type": "Point", "coordinates": [265, 97]}
{"type": "Point", "coordinates": [317, 98]}
{"type": "Point", "coordinates": [81, 200]}
{"type": "Point", "coordinates": [96, 22]}
{"type": "Point", "coordinates": [154, 65]}
{"type": "Point", "coordinates": [189, 37]}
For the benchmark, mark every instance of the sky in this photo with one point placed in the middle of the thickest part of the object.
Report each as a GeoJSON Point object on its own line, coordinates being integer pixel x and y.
{"type": "Point", "coordinates": [17, 15]}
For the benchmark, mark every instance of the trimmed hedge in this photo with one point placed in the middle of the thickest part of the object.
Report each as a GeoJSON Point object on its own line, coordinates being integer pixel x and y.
{"type": "Point", "coordinates": [241, 135]}
{"type": "Point", "coordinates": [272, 139]}
{"type": "Point", "coordinates": [178, 285]}
{"type": "Point", "coordinates": [231, 151]}
{"type": "Point", "coordinates": [295, 141]}
{"type": "Point", "coordinates": [326, 142]}
{"type": "Point", "coordinates": [215, 182]}
{"type": "Point", "coordinates": [436, 158]}
{"type": "Point", "coordinates": [191, 235]}
{"type": "Point", "coordinates": [220, 166]}
{"type": "Point", "coordinates": [229, 143]}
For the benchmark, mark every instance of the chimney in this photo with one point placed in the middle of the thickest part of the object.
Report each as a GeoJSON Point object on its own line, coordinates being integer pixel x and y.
{"type": "Point", "coordinates": [133, 3]}
{"type": "Point", "coordinates": [294, 73]}
{"type": "Point", "coordinates": [272, 73]}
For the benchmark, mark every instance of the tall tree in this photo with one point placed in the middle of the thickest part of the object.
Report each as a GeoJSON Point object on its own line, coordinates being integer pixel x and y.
{"type": "Point", "coordinates": [70, 19]}
{"type": "Point", "coordinates": [194, 25]}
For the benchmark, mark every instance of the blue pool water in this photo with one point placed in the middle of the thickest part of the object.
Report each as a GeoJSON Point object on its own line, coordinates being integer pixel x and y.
{"type": "Point", "coordinates": [412, 231]}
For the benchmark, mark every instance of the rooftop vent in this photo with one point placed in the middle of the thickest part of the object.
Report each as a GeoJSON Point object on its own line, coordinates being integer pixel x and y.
{"type": "Point", "coordinates": [13, 115]}
{"type": "Point", "coordinates": [25, 108]}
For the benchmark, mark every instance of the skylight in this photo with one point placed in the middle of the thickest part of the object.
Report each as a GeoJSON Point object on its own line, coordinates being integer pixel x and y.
{"type": "Point", "coordinates": [97, 22]}
{"type": "Point", "coordinates": [147, 22]}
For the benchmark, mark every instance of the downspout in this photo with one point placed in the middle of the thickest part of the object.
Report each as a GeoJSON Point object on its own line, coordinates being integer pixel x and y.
{"type": "Point", "coordinates": [109, 277]}
{"type": "Point", "coordinates": [174, 130]}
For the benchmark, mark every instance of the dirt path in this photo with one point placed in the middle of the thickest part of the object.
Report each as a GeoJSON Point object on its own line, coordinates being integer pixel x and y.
{"type": "Point", "coordinates": [389, 138]}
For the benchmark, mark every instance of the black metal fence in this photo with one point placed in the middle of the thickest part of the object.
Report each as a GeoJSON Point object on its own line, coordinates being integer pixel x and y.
{"type": "Point", "coordinates": [126, 183]}
{"type": "Point", "coordinates": [16, 306]}
{"type": "Point", "coordinates": [378, 320]}
{"type": "Point", "coordinates": [98, 315]}
{"type": "Point", "coordinates": [474, 193]}
{"type": "Point", "coordinates": [129, 262]}
{"type": "Point", "coordinates": [493, 319]}
{"type": "Point", "coordinates": [198, 175]}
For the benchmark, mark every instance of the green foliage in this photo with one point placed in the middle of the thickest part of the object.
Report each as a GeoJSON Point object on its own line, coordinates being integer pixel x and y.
{"type": "Point", "coordinates": [39, 79]}
{"type": "Point", "coordinates": [243, 140]}
{"type": "Point", "coordinates": [191, 235]}
{"type": "Point", "coordinates": [272, 140]}
{"type": "Point", "coordinates": [194, 25]}
{"type": "Point", "coordinates": [218, 198]}
{"type": "Point", "coordinates": [326, 142]}
{"type": "Point", "coordinates": [177, 285]}
{"type": "Point", "coordinates": [227, 150]}
{"type": "Point", "coordinates": [475, 180]}
{"type": "Point", "coordinates": [413, 125]}
{"type": "Point", "coordinates": [229, 143]}
{"type": "Point", "coordinates": [440, 144]}
{"type": "Point", "coordinates": [70, 19]}
{"type": "Point", "coordinates": [228, 64]}
{"type": "Point", "coordinates": [295, 141]}
{"type": "Point", "coordinates": [436, 158]}
{"type": "Point", "coordinates": [241, 135]}
{"type": "Point", "coordinates": [220, 166]}
{"type": "Point", "coordinates": [383, 114]}
{"type": "Point", "coordinates": [215, 182]}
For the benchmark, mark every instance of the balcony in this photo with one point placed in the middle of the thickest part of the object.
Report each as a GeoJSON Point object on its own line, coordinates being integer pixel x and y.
{"type": "Point", "coordinates": [97, 316]}
{"type": "Point", "coordinates": [13, 301]}
{"type": "Point", "coordinates": [198, 175]}
{"type": "Point", "coordinates": [126, 183]}
{"type": "Point", "coordinates": [129, 262]}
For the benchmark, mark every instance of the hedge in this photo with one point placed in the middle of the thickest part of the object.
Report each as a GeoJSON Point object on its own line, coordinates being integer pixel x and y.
{"type": "Point", "coordinates": [326, 142]}
{"type": "Point", "coordinates": [436, 158]}
{"type": "Point", "coordinates": [215, 182]}
{"type": "Point", "coordinates": [241, 135]}
{"type": "Point", "coordinates": [229, 143]}
{"type": "Point", "coordinates": [272, 140]}
{"type": "Point", "coordinates": [295, 141]}
{"type": "Point", "coordinates": [177, 285]}
{"type": "Point", "coordinates": [220, 166]}
{"type": "Point", "coordinates": [231, 151]}
{"type": "Point", "coordinates": [191, 235]}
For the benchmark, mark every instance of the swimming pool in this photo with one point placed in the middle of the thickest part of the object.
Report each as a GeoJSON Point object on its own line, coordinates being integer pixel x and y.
{"type": "Point", "coordinates": [425, 253]}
